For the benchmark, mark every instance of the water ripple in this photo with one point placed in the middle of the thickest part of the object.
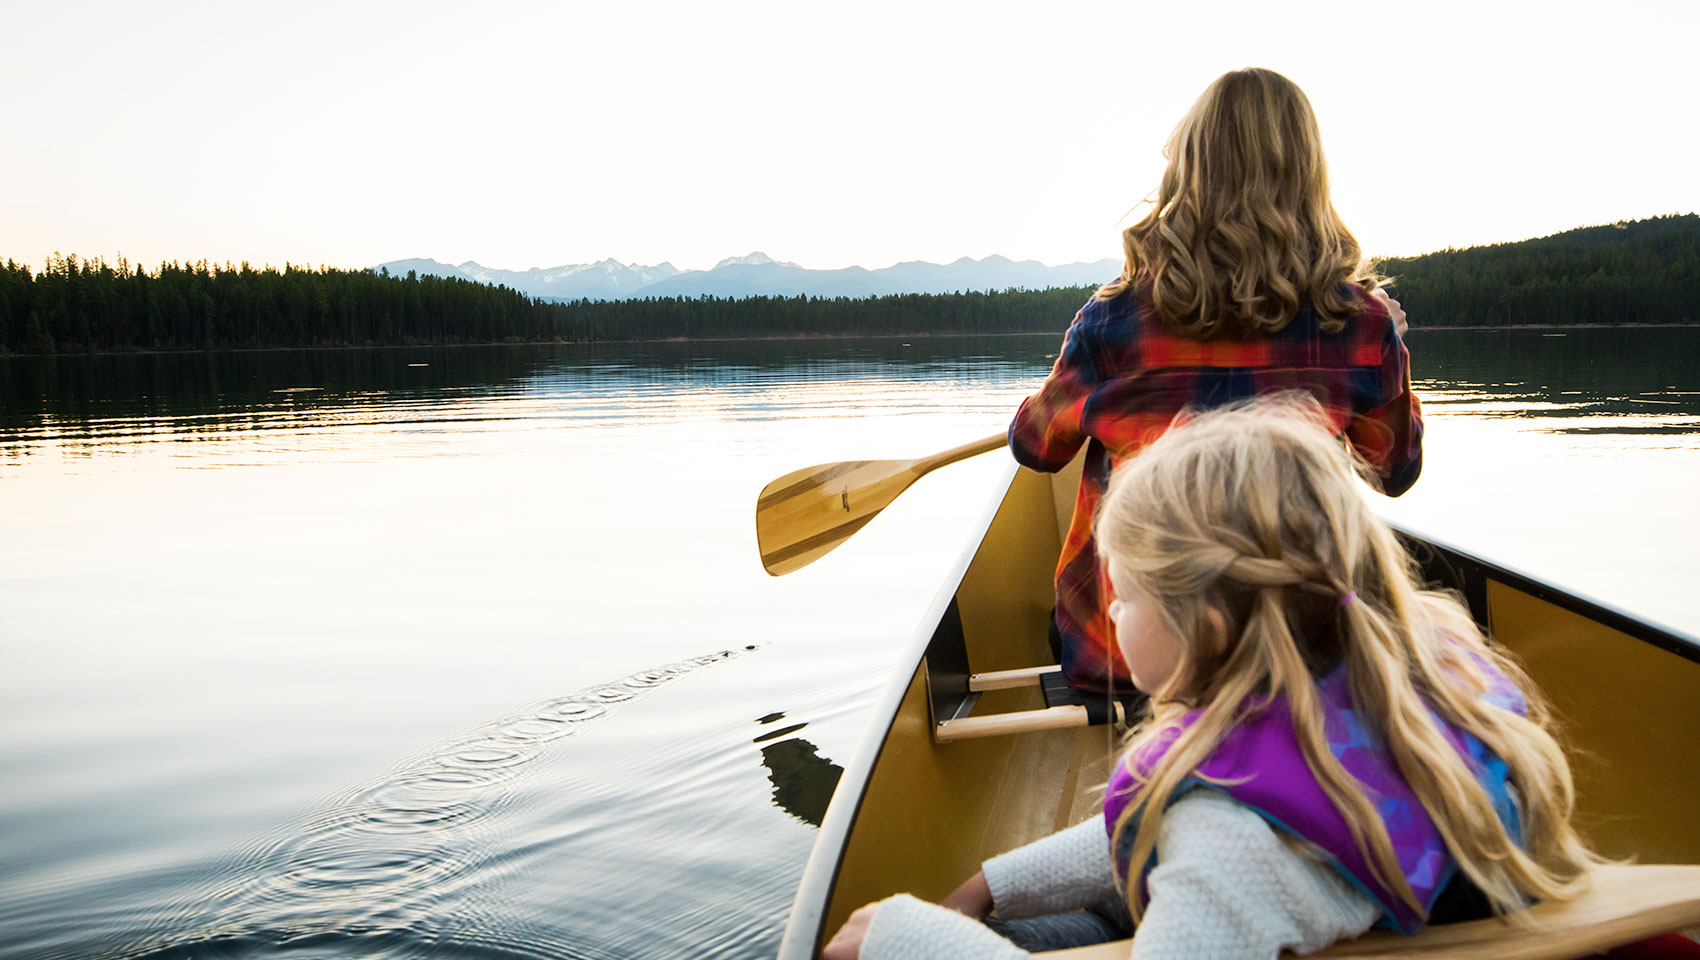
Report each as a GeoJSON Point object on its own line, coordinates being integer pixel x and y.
{"type": "Point", "coordinates": [376, 867]}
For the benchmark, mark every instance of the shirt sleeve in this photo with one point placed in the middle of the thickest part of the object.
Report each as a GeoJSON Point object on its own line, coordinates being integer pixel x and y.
{"type": "Point", "coordinates": [1049, 427]}
{"type": "Point", "coordinates": [1225, 886]}
{"type": "Point", "coordinates": [1068, 870]}
{"type": "Point", "coordinates": [1389, 434]}
{"type": "Point", "coordinates": [905, 928]}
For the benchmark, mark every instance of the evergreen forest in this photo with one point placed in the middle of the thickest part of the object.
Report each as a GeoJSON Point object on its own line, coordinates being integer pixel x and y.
{"type": "Point", "coordinates": [1646, 271]}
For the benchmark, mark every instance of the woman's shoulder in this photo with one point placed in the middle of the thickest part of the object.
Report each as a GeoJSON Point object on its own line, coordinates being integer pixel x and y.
{"type": "Point", "coordinates": [1105, 334]}
{"type": "Point", "coordinates": [1372, 312]}
{"type": "Point", "coordinates": [1118, 308]}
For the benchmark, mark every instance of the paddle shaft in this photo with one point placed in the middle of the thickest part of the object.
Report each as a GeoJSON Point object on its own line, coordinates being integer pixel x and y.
{"type": "Point", "coordinates": [926, 465]}
{"type": "Point", "coordinates": [807, 513]}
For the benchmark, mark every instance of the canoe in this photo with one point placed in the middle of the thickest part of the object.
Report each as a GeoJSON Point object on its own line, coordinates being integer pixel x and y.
{"type": "Point", "coordinates": [938, 784]}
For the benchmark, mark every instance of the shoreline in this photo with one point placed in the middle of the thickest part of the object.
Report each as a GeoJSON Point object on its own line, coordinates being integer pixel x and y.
{"type": "Point", "coordinates": [1565, 326]}
{"type": "Point", "coordinates": [789, 337]}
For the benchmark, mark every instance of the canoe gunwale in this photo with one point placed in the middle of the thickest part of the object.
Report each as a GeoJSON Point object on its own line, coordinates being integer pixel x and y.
{"type": "Point", "coordinates": [803, 932]}
{"type": "Point", "coordinates": [1459, 560]}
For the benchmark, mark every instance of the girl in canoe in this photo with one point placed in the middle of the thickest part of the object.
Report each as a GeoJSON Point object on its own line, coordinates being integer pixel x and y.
{"type": "Point", "coordinates": [1241, 279]}
{"type": "Point", "coordinates": [1328, 747]}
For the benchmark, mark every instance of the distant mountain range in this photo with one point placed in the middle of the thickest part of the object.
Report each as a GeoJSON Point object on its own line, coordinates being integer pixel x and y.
{"type": "Point", "coordinates": [759, 274]}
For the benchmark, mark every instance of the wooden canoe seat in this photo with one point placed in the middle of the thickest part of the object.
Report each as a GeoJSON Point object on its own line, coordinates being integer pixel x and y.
{"type": "Point", "coordinates": [1062, 711]}
{"type": "Point", "coordinates": [1626, 904]}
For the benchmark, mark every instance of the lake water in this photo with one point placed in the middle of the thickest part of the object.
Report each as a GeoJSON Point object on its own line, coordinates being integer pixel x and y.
{"type": "Point", "coordinates": [467, 652]}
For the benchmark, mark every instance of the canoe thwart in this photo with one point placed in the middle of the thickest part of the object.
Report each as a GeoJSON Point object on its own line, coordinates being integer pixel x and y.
{"type": "Point", "coordinates": [1627, 903]}
{"type": "Point", "coordinates": [1009, 679]}
{"type": "Point", "coordinates": [1014, 722]}
{"type": "Point", "coordinates": [1065, 707]}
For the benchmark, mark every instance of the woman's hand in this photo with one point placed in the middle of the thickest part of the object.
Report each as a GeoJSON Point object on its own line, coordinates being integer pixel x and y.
{"type": "Point", "coordinates": [972, 899]}
{"type": "Point", "coordinates": [1393, 308]}
{"type": "Point", "coordinates": [846, 944]}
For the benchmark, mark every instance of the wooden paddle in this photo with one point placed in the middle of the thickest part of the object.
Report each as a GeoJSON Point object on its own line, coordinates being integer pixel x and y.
{"type": "Point", "coordinates": [807, 513]}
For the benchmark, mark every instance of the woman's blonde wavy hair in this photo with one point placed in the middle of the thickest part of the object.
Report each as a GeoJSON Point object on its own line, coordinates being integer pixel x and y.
{"type": "Point", "coordinates": [1243, 230]}
{"type": "Point", "coordinates": [1247, 526]}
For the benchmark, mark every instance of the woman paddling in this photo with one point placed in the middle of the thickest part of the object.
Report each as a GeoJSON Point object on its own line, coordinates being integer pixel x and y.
{"type": "Point", "coordinates": [1241, 280]}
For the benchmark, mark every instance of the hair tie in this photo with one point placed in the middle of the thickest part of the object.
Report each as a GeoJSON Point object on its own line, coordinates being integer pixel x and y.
{"type": "Point", "coordinates": [1346, 600]}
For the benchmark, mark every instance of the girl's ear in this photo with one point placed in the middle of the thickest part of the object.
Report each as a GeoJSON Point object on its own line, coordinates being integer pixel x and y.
{"type": "Point", "coordinates": [1218, 628]}
{"type": "Point", "coordinates": [1213, 650]}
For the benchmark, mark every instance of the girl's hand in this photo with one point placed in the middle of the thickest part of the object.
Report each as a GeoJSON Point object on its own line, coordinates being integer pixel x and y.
{"type": "Point", "coordinates": [846, 944]}
{"type": "Point", "coordinates": [1399, 324]}
{"type": "Point", "coordinates": [972, 899]}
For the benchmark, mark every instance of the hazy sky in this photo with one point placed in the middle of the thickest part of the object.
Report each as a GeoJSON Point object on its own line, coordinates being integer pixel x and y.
{"type": "Point", "coordinates": [830, 134]}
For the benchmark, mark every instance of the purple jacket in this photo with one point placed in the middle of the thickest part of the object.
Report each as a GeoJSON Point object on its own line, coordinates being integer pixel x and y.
{"type": "Point", "coordinates": [1259, 764]}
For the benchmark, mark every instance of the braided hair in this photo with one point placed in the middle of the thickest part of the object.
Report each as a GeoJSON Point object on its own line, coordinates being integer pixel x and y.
{"type": "Point", "coordinates": [1251, 530]}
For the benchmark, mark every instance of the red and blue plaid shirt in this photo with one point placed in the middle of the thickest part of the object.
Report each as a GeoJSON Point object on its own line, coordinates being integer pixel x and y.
{"type": "Point", "coordinates": [1121, 378]}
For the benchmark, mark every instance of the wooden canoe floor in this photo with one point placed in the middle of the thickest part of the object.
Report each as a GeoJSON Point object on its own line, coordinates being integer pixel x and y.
{"type": "Point", "coordinates": [1627, 903]}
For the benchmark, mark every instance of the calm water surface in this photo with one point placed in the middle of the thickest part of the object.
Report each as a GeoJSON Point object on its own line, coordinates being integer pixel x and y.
{"type": "Point", "coordinates": [468, 652]}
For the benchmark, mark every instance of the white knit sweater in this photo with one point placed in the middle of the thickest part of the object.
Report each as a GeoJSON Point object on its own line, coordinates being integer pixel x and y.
{"type": "Point", "coordinates": [1225, 888]}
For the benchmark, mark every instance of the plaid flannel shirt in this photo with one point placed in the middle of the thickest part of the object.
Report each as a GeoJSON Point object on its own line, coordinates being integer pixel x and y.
{"type": "Point", "coordinates": [1121, 378]}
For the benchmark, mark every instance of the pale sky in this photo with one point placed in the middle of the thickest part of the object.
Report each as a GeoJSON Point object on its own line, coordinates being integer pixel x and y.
{"type": "Point", "coordinates": [830, 134]}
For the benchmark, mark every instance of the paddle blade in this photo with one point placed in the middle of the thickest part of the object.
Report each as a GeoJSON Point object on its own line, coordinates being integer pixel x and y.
{"type": "Point", "coordinates": [807, 513]}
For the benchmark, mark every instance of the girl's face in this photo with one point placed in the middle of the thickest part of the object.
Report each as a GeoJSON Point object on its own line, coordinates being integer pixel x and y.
{"type": "Point", "coordinates": [1151, 651]}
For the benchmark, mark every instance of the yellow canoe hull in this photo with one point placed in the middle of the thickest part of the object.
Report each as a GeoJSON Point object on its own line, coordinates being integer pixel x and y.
{"type": "Point", "coordinates": [915, 815]}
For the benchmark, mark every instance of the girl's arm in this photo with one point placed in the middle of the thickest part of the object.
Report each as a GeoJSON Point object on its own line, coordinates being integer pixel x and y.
{"type": "Point", "coordinates": [1068, 870]}
{"type": "Point", "coordinates": [1225, 886]}
{"type": "Point", "coordinates": [904, 928]}
{"type": "Point", "coordinates": [972, 899]}
{"type": "Point", "coordinates": [1060, 873]}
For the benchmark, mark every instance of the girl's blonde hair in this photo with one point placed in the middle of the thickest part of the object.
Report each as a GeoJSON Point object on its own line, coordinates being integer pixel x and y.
{"type": "Point", "coordinates": [1243, 230]}
{"type": "Point", "coordinates": [1248, 527]}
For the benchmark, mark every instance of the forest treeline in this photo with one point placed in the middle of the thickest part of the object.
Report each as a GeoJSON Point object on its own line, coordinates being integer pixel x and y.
{"type": "Point", "coordinates": [1646, 271]}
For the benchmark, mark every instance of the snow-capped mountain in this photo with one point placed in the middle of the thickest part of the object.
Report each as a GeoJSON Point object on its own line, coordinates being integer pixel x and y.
{"type": "Point", "coordinates": [602, 280]}
{"type": "Point", "coordinates": [760, 274]}
{"type": "Point", "coordinates": [755, 259]}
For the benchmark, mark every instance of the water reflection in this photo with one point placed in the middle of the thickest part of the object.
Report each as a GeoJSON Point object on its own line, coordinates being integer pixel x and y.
{"type": "Point", "coordinates": [113, 402]}
{"type": "Point", "coordinates": [365, 404]}
{"type": "Point", "coordinates": [803, 780]}
{"type": "Point", "coordinates": [236, 584]}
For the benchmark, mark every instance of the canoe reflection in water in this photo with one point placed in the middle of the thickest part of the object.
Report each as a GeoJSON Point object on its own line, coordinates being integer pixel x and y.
{"type": "Point", "coordinates": [803, 780]}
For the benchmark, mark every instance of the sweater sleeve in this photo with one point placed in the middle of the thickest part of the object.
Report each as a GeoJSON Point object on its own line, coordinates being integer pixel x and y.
{"type": "Point", "coordinates": [1225, 886]}
{"type": "Point", "coordinates": [905, 928]}
{"type": "Point", "coordinates": [1068, 870]}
